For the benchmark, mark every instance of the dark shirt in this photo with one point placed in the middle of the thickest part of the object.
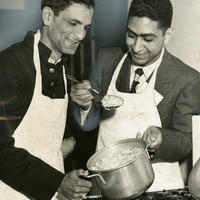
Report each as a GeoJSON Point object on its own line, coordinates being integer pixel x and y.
{"type": "Point", "coordinates": [52, 74]}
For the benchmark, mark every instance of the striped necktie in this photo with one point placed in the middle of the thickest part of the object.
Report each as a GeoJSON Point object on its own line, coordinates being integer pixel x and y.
{"type": "Point", "coordinates": [138, 73]}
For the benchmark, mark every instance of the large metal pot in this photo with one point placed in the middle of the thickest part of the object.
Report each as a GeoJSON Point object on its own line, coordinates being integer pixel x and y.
{"type": "Point", "coordinates": [127, 180]}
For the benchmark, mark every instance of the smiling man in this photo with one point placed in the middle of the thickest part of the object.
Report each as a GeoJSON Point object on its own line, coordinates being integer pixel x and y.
{"type": "Point", "coordinates": [160, 92]}
{"type": "Point", "coordinates": [145, 40]}
{"type": "Point", "coordinates": [33, 106]}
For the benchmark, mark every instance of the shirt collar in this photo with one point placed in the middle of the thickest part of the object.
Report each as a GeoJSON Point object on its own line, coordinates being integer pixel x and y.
{"type": "Point", "coordinates": [45, 54]}
{"type": "Point", "coordinates": [150, 68]}
{"type": "Point", "coordinates": [52, 61]}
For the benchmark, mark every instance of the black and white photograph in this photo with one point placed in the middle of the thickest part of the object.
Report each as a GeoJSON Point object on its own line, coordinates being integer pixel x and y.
{"type": "Point", "coordinates": [99, 99]}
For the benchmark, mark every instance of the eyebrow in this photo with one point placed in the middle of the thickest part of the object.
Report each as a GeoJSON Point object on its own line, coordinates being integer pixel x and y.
{"type": "Point", "coordinates": [143, 35]}
{"type": "Point", "coordinates": [75, 20]}
{"type": "Point", "coordinates": [78, 22]}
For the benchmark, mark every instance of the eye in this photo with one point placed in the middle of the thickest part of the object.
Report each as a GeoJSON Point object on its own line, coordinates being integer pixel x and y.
{"type": "Point", "coordinates": [72, 23]}
{"type": "Point", "coordinates": [146, 39]}
{"type": "Point", "coordinates": [131, 35]}
{"type": "Point", "coordinates": [87, 27]}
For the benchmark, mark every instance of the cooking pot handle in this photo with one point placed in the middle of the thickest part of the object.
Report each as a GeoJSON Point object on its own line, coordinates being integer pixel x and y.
{"type": "Point", "coordinates": [93, 175]}
{"type": "Point", "coordinates": [85, 196]}
{"type": "Point", "coordinates": [147, 145]}
{"type": "Point", "coordinates": [91, 196]}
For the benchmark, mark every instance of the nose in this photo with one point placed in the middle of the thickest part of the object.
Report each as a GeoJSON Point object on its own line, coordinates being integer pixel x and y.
{"type": "Point", "coordinates": [137, 45]}
{"type": "Point", "coordinates": [80, 34]}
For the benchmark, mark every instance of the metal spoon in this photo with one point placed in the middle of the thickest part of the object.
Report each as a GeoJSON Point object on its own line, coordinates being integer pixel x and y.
{"type": "Point", "coordinates": [97, 96]}
{"type": "Point", "coordinates": [91, 197]}
{"type": "Point", "coordinates": [95, 93]}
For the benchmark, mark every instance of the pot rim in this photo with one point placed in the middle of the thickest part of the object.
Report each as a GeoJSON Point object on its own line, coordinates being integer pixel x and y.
{"type": "Point", "coordinates": [113, 144]}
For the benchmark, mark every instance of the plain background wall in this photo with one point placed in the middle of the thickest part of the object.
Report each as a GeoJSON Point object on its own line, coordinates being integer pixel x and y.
{"type": "Point", "coordinates": [110, 22]}
{"type": "Point", "coordinates": [186, 40]}
{"type": "Point", "coordinates": [16, 21]}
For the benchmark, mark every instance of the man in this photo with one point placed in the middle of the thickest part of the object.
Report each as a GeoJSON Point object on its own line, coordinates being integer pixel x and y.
{"type": "Point", "coordinates": [33, 106]}
{"type": "Point", "coordinates": [160, 92]}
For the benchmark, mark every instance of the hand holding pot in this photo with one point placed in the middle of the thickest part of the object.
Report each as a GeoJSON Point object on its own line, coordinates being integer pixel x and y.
{"type": "Point", "coordinates": [153, 137]}
{"type": "Point", "coordinates": [73, 187]}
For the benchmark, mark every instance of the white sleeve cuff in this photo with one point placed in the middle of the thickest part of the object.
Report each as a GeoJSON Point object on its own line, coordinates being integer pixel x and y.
{"type": "Point", "coordinates": [84, 113]}
{"type": "Point", "coordinates": [55, 196]}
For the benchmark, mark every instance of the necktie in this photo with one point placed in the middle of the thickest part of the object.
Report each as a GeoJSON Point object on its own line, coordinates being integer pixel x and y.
{"type": "Point", "coordinates": [138, 73]}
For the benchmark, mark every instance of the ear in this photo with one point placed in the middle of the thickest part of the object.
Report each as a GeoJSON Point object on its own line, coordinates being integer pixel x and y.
{"type": "Point", "coordinates": [168, 35]}
{"type": "Point", "coordinates": [47, 15]}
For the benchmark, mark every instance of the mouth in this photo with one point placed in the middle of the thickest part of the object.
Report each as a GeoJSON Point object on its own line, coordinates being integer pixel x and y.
{"type": "Point", "coordinates": [73, 40]}
{"type": "Point", "coordinates": [71, 43]}
{"type": "Point", "coordinates": [139, 56]}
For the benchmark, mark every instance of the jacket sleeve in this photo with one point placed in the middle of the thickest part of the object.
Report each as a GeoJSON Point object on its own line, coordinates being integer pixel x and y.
{"type": "Point", "coordinates": [100, 77]}
{"type": "Point", "coordinates": [18, 168]}
{"type": "Point", "coordinates": [92, 119]}
{"type": "Point", "coordinates": [177, 140]}
{"type": "Point", "coordinates": [94, 116]}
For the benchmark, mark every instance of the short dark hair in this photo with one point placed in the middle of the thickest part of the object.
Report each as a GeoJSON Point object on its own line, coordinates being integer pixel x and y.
{"type": "Point", "coordinates": [157, 10]}
{"type": "Point", "coordinates": [59, 5]}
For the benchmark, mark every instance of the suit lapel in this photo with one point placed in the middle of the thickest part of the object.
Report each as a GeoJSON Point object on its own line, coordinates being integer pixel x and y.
{"type": "Point", "coordinates": [112, 66]}
{"type": "Point", "coordinates": [123, 81]}
{"type": "Point", "coordinates": [164, 78]}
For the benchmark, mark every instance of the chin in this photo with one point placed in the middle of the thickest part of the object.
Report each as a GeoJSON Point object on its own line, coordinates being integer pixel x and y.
{"type": "Point", "coordinates": [70, 51]}
{"type": "Point", "coordinates": [140, 62]}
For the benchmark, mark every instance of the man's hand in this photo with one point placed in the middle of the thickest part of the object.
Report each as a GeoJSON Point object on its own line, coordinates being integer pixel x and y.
{"type": "Point", "coordinates": [81, 95]}
{"type": "Point", "coordinates": [153, 137]}
{"type": "Point", "coordinates": [68, 146]}
{"type": "Point", "coordinates": [74, 187]}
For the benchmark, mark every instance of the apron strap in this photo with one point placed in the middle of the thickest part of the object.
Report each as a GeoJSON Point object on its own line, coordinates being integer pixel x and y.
{"type": "Point", "coordinates": [65, 80]}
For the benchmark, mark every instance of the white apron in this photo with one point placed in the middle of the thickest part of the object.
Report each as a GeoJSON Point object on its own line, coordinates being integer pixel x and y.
{"type": "Point", "coordinates": [42, 128]}
{"type": "Point", "coordinates": [138, 112]}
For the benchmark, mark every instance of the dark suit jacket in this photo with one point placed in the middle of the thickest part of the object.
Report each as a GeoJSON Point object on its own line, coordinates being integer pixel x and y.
{"type": "Point", "coordinates": [18, 168]}
{"type": "Point", "coordinates": [179, 85]}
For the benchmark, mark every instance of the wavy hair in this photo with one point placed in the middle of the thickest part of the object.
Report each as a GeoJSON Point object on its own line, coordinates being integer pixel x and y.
{"type": "Point", "coordinates": [157, 10]}
{"type": "Point", "coordinates": [59, 5]}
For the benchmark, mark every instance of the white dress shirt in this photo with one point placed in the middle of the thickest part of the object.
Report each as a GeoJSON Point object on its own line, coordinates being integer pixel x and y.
{"type": "Point", "coordinates": [147, 70]}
